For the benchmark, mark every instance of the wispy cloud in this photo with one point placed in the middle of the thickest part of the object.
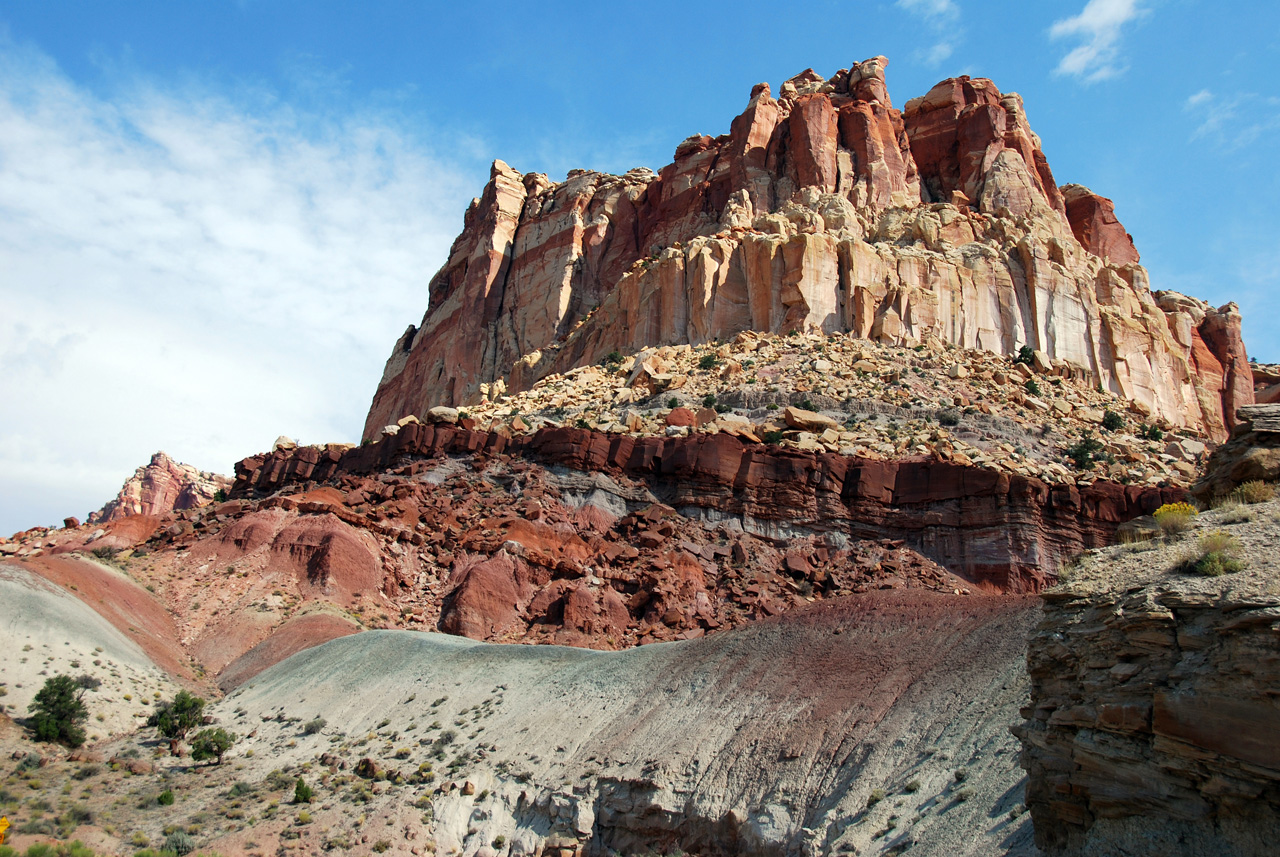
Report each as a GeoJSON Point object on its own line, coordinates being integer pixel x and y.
{"type": "Point", "coordinates": [943, 18]}
{"type": "Point", "coordinates": [195, 271]}
{"type": "Point", "coordinates": [1098, 27]}
{"type": "Point", "coordinates": [1233, 121]}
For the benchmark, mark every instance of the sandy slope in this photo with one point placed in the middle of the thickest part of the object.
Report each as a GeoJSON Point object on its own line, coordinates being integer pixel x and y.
{"type": "Point", "coordinates": [46, 630]}
{"type": "Point", "coordinates": [773, 738]}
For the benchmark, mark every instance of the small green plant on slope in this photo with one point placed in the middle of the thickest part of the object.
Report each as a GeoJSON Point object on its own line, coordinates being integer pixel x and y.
{"type": "Point", "coordinates": [58, 710]}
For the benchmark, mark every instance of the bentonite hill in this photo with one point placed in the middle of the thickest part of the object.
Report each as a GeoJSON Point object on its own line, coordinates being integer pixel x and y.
{"type": "Point", "coordinates": [836, 480]}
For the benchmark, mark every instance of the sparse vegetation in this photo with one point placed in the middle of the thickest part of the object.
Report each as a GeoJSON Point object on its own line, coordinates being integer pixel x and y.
{"type": "Point", "coordinates": [1111, 421]}
{"type": "Point", "coordinates": [1256, 491]}
{"type": "Point", "coordinates": [312, 727]}
{"type": "Point", "coordinates": [1174, 518]}
{"type": "Point", "coordinates": [1215, 556]}
{"type": "Point", "coordinates": [302, 793]}
{"type": "Point", "coordinates": [1086, 452]}
{"type": "Point", "coordinates": [1150, 432]}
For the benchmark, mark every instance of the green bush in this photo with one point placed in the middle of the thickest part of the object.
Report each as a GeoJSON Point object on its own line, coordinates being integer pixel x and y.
{"type": "Point", "coordinates": [673, 402]}
{"type": "Point", "coordinates": [1026, 354]}
{"type": "Point", "coordinates": [175, 719]}
{"type": "Point", "coordinates": [709, 400]}
{"type": "Point", "coordinates": [1033, 388]}
{"type": "Point", "coordinates": [708, 361]}
{"type": "Point", "coordinates": [58, 710]}
{"type": "Point", "coordinates": [613, 358]}
{"type": "Point", "coordinates": [773, 437]}
{"type": "Point", "coordinates": [1147, 432]}
{"type": "Point", "coordinates": [949, 417]}
{"type": "Point", "coordinates": [1217, 555]}
{"type": "Point", "coordinates": [1111, 421]}
{"type": "Point", "coordinates": [311, 727]}
{"type": "Point", "coordinates": [212, 744]}
{"type": "Point", "coordinates": [1086, 451]}
{"type": "Point", "coordinates": [165, 798]}
{"type": "Point", "coordinates": [302, 793]}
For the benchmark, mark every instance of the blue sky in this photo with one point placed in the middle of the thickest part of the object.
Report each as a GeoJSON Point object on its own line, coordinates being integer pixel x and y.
{"type": "Point", "coordinates": [216, 217]}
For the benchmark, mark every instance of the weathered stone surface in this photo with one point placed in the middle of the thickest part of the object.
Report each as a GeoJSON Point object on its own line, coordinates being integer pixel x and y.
{"type": "Point", "coordinates": [1005, 530]}
{"type": "Point", "coordinates": [1094, 223]}
{"type": "Point", "coordinates": [161, 486]}
{"type": "Point", "coordinates": [823, 210]}
{"type": "Point", "coordinates": [1152, 722]}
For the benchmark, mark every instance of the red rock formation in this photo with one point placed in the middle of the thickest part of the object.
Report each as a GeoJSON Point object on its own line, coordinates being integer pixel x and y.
{"type": "Point", "coordinates": [1093, 222]}
{"type": "Point", "coordinates": [824, 209]}
{"type": "Point", "coordinates": [162, 486]}
{"type": "Point", "coordinates": [1007, 531]}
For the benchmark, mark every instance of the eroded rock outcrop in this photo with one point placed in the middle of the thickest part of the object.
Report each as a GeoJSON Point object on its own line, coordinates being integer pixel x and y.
{"type": "Point", "coordinates": [162, 486]}
{"type": "Point", "coordinates": [1007, 531]}
{"type": "Point", "coordinates": [1153, 718]}
{"type": "Point", "coordinates": [823, 209]}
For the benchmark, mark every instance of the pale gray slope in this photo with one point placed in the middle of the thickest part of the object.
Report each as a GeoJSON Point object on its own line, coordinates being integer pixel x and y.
{"type": "Point", "coordinates": [837, 729]}
{"type": "Point", "coordinates": [45, 630]}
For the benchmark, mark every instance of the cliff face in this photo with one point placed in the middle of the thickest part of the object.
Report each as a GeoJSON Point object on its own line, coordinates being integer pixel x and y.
{"type": "Point", "coordinates": [1006, 531]}
{"type": "Point", "coordinates": [824, 209]}
{"type": "Point", "coordinates": [161, 486]}
{"type": "Point", "coordinates": [1153, 719]}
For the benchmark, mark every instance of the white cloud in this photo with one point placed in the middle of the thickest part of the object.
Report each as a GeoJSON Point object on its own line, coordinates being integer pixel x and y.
{"type": "Point", "coordinates": [1233, 121]}
{"type": "Point", "coordinates": [195, 272]}
{"type": "Point", "coordinates": [1098, 26]}
{"type": "Point", "coordinates": [942, 17]}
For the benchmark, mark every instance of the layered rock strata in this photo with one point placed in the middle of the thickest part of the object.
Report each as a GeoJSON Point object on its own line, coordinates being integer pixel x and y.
{"type": "Point", "coordinates": [824, 209]}
{"type": "Point", "coordinates": [160, 486]}
{"type": "Point", "coordinates": [1008, 531]}
{"type": "Point", "coordinates": [1153, 717]}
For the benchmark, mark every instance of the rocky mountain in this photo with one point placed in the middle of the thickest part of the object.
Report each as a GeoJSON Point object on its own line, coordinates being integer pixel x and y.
{"type": "Point", "coordinates": [828, 210]}
{"type": "Point", "coordinates": [162, 485]}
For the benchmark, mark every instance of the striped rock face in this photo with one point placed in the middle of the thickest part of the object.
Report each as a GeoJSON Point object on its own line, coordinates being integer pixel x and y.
{"type": "Point", "coordinates": [824, 209]}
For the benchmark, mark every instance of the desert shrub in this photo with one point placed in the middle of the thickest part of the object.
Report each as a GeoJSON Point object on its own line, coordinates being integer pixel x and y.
{"type": "Point", "coordinates": [950, 417]}
{"type": "Point", "coordinates": [613, 358]}
{"type": "Point", "coordinates": [774, 436]}
{"type": "Point", "coordinates": [381, 845]}
{"type": "Point", "coordinates": [1254, 492]}
{"type": "Point", "coordinates": [165, 798]}
{"type": "Point", "coordinates": [58, 710]}
{"type": "Point", "coordinates": [84, 772]}
{"type": "Point", "coordinates": [175, 719]}
{"type": "Point", "coordinates": [1215, 556]}
{"type": "Point", "coordinates": [1086, 451]}
{"type": "Point", "coordinates": [912, 787]}
{"type": "Point", "coordinates": [1026, 354]}
{"type": "Point", "coordinates": [1147, 432]}
{"type": "Point", "coordinates": [708, 361]}
{"type": "Point", "coordinates": [212, 744]}
{"type": "Point", "coordinates": [808, 405]}
{"type": "Point", "coordinates": [875, 797]}
{"type": "Point", "coordinates": [105, 553]}
{"type": "Point", "coordinates": [1174, 518]}
{"type": "Point", "coordinates": [302, 793]}
{"type": "Point", "coordinates": [673, 402]}
{"type": "Point", "coordinates": [311, 727]}
{"type": "Point", "coordinates": [304, 817]}
{"type": "Point", "coordinates": [1111, 421]}
{"type": "Point", "coordinates": [962, 775]}
{"type": "Point", "coordinates": [179, 843]}
{"type": "Point", "coordinates": [1232, 512]}
{"type": "Point", "coordinates": [709, 400]}
{"type": "Point", "coordinates": [1032, 387]}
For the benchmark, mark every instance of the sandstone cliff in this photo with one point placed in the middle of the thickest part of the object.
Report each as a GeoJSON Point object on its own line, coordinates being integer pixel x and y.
{"type": "Point", "coordinates": [1153, 719]}
{"type": "Point", "coordinates": [824, 209]}
{"type": "Point", "coordinates": [161, 486]}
